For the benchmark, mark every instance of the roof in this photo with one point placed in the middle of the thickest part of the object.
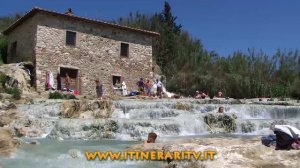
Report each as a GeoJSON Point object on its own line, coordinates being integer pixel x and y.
{"type": "Point", "coordinates": [40, 10]}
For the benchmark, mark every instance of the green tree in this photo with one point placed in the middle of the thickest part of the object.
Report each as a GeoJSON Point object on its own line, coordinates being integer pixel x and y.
{"type": "Point", "coordinates": [4, 23]}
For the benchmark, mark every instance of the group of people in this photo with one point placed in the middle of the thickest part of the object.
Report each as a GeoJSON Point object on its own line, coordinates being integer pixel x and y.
{"type": "Point", "coordinates": [120, 86]}
{"type": "Point", "coordinates": [145, 87]}
{"type": "Point", "coordinates": [64, 86]}
{"type": "Point", "coordinates": [148, 87]}
{"type": "Point", "coordinates": [200, 95]}
{"type": "Point", "coordinates": [117, 86]}
{"type": "Point", "coordinates": [203, 95]}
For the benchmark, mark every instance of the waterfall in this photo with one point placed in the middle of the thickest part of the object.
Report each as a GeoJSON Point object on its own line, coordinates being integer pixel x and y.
{"type": "Point", "coordinates": [134, 119]}
{"type": "Point", "coordinates": [252, 119]}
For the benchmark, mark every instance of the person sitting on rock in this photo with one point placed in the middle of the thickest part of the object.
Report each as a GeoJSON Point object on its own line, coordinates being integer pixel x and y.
{"type": "Point", "coordinates": [176, 96]}
{"type": "Point", "coordinates": [197, 95]}
{"type": "Point", "coordinates": [159, 85]}
{"type": "Point", "coordinates": [203, 95]}
{"type": "Point", "coordinates": [141, 85]}
{"type": "Point", "coordinates": [68, 81]}
{"type": "Point", "coordinates": [220, 94]}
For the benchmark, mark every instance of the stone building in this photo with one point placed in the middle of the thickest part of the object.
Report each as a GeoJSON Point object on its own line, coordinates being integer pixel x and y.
{"type": "Point", "coordinates": [86, 49]}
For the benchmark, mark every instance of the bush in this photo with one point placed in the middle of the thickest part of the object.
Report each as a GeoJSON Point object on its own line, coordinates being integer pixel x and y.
{"type": "Point", "coordinates": [2, 79]}
{"type": "Point", "coordinates": [225, 121]}
{"type": "Point", "coordinates": [2, 82]}
{"type": "Point", "coordinates": [55, 95]}
{"type": "Point", "coordinates": [280, 91]}
{"type": "Point", "coordinates": [15, 92]}
{"type": "Point", "coordinates": [58, 95]}
{"type": "Point", "coordinates": [295, 91]}
{"type": "Point", "coordinates": [69, 96]}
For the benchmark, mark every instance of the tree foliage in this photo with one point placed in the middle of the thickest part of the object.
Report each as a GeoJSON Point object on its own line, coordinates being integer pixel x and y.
{"type": "Point", "coordinates": [4, 23]}
{"type": "Point", "coordinates": [188, 66]}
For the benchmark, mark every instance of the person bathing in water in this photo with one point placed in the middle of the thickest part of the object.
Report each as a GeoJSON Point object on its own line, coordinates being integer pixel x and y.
{"type": "Point", "coordinates": [221, 110]}
{"type": "Point", "coordinates": [151, 138]}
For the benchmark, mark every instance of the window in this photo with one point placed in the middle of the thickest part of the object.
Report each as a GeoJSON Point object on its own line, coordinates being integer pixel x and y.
{"type": "Point", "coordinates": [124, 49]}
{"type": "Point", "coordinates": [13, 49]}
{"type": "Point", "coordinates": [116, 79]}
{"type": "Point", "coordinates": [71, 38]}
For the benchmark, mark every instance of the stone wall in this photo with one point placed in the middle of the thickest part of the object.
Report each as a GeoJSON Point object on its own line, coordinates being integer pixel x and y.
{"type": "Point", "coordinates": [96, 54]}
{"type": "Point", "coordinates": [24, 35]}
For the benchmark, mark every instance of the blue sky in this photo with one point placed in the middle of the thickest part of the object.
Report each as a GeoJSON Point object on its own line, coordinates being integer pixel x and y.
{"type": "Point", "coordinates": [222, 25]}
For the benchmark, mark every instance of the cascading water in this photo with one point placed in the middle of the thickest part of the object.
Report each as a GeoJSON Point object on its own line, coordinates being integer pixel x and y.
{"type": "Point", "coordinates": [251, 118]}
{"type": "Point", "coordinates": [134, 119]}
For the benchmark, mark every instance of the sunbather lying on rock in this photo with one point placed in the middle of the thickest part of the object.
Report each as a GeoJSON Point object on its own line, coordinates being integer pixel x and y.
{"type": "Point", "coordinates": [286, 137]}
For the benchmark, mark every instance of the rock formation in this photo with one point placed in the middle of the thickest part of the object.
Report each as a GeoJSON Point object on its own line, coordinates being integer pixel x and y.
{"type": "Point", "coordinates": [87, 109]}
{"type": "Point", "coordinates": [7, 143]}
{"type": "Point", "coordinates": [17, 75]}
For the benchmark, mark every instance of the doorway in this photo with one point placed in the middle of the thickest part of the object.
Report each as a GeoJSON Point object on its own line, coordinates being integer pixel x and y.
{"type": "Point", "coordinates": [73, 74]}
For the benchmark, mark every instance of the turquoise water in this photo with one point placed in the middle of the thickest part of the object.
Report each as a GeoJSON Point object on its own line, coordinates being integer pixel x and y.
{"type": "Point", "coordinates": [51, 153]}
{"type": "Point", "coordinates": [55, 154]}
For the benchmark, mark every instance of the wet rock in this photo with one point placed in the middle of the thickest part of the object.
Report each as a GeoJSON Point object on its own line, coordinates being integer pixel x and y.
{"type": "Point", "coordinates": [108, 135]}
{"type": "Point", "coordinates": [281, 103]}
{"type": "Point", "coordinates": [7, 143]}
{"type": "Point", "coordinates": [230, 152]}
{"type": "Point", "coordinates": [75, 153]}
{"type": "Point", "coordinates": [277, 122]}
{"type": "Point", "coordinates": [92, 108]}
{"type": "Point", "coordinates": [183, 106]}
{"type": "Point", "coordinates": [21, 131]}
{"type": "Point", "coordinates": [221, 122]}
{"type": "Point", "coordinates": [237, 101]}
{"type": "Point", "coordinates": [34, 142]}
{"type": "Point", "coordinates": [180, 164]}
{"type": "Point", "coordinates": [71, 109]}
{"type": "Point", "coordinates": [219, 101]}
{"type": "Point", "coordinates": [6, 117]}
{"type": "Point", "coordinates": [5, 96]}
{"type": "Point", "coordinates": [41, 108]}
{"type": "Point", "coordinates": [17, 75]}
{"type": "Point", "coordinates": [34, 132]}
{"type": "Point", "coordinates": [25, 100]}
{"type": "Point", "coordinates": [32, 127]}
{"type": "Point", "coordinates": [111, 125]}
{"type": "Point", "coordinates": [4, 120]}
{"type": "Point", "coordinates": [77, 129]}
{"type": "Point", "coordinates": [7, 105]}
{"type": "Point", "coordinates": [248, 127]}
{"type": "Point", "coordinates": [87, 115]}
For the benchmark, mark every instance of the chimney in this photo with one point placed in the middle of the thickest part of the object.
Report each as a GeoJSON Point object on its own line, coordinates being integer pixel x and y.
{"type": "Point", "coordinates": [69, 12]}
